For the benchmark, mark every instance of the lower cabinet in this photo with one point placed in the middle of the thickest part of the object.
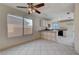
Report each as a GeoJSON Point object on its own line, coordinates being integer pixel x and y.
{"type": "Point", "coordinates": [48, 35]}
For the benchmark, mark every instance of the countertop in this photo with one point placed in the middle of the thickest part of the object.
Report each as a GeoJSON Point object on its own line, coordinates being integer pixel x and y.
{"type": "Point", "coordinates": [53, 30]}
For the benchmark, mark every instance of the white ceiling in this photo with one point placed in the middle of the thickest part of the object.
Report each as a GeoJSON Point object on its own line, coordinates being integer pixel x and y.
{"type": "Point", "coordinates": [50, 10]}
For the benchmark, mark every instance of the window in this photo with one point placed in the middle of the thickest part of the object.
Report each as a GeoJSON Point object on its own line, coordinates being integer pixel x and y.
{"type": "Point", "coordinates": [18, 26]}
{"type": "Point", "coordinates": [14, 25]}
{"type": "Point", "coordinates": [27, 26]}
{"type": "Point", "coordinates": [55, 25]}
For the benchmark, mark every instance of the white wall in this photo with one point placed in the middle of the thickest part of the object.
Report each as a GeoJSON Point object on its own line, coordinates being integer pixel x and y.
{"type": "Point", "coordinates": [4, 41]}
{"type": "Point", "coordinates": [77, 27]}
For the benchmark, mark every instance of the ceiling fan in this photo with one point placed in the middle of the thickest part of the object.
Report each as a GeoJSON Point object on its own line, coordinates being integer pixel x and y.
{"type": "Point", "coordinates": [32, 8]}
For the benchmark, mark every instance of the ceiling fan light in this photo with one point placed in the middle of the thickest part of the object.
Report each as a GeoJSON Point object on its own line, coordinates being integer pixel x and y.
{"type": "Point", "coordinates": [33, 10]}
{"type": "Point", "coordinates": [29, 9]}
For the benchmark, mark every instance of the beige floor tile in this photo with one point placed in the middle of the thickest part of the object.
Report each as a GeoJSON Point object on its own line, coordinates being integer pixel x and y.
{"type": "Point", "coordinates": [40, 47]}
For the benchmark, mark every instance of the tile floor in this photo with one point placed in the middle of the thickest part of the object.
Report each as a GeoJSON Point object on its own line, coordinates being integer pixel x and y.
{"type": "Point", "coordinates": [40, 47]}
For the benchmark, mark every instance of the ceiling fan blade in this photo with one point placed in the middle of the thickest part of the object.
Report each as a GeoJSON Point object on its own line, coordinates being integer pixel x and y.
{"type": "Point", "coordinates": [21, 7]}
{"type": "Point", "coordinates": [37, 11]}
{"type": "Point", "coordinates": [39, 5]}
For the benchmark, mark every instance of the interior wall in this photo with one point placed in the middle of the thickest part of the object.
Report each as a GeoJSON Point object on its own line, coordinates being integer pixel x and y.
{"type": "Point", "coordinates": [77, 27]}
{"type": "Point", "coordinates": [4, 41]}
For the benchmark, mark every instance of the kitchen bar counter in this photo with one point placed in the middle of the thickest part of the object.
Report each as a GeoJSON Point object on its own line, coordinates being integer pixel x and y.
{"type": "Point", "coordinates": [51, 34]}
{"type": "Point", "coordinates": [48, 34]}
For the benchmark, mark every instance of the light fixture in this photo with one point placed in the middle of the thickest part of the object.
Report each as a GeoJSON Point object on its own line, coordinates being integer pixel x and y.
{"type": "Point", "coordinates": [31, 10]}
